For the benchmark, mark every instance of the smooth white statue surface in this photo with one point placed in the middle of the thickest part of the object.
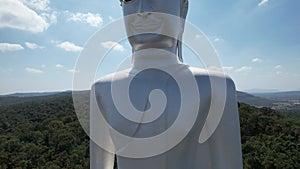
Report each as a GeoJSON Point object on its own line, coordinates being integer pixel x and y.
{"type": "Point", "coordinates": [153, 57]}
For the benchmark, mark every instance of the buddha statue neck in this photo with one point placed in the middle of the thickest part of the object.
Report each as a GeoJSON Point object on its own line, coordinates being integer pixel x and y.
{"type": "Point", "coordinates": [152, 57]}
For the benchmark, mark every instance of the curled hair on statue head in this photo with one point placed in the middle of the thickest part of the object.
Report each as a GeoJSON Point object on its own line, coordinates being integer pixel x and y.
{"type": "Point", "coordinates": [183, 14]}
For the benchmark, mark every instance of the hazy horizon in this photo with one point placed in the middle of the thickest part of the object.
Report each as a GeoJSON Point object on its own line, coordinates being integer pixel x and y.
{"type": "Point", "coordinates": [250, 91]}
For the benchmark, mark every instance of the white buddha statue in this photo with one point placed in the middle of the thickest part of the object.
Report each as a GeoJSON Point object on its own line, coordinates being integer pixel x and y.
{"type": "Point", "coordinates": [158, 90]}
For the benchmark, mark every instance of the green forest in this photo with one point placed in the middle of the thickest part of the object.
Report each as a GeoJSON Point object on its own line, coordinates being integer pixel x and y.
{"type": "Point", "coordinates": [46, 134]}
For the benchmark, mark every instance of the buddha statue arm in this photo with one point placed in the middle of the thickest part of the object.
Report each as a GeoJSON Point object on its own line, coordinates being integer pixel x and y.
{"type": "Point", "coordinates": [99, 158]}
{"type": "Point", "coordinates": [225, 142]}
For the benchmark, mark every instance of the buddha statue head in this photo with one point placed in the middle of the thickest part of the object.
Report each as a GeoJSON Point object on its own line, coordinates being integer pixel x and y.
{"type": "Point", "coordinates": [155, 17]}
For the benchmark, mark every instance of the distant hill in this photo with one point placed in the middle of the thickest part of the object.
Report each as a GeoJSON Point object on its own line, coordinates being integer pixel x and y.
{"type": "Point", "coordinates": [254, 100]}
{"type": "Point", "coordinates": [30, 97]}
{"type": "Point", "coordinates": [280, 96]}
{"type": "Point", "coordinates": [282, 101]}
{"type": "Point", "coordinates": [33, 94]}
{"type": "Point", "coordinates": [261, 91]}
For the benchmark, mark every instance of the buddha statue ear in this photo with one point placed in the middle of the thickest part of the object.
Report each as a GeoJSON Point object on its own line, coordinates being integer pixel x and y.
{"type": "Point", "coordinates": [183, 14]}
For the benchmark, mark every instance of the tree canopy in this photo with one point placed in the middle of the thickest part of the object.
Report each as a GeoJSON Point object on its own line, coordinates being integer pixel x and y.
{"type": "Point", "coordinates": [47, 134]}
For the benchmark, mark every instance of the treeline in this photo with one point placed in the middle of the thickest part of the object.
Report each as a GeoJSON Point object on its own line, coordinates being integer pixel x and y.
{"type": "Point", "coordinates": [269, 140]}
{"type": "Point", "coordinates": [47, 134]}
{"type": "Point", "coordinates": [44, 134]}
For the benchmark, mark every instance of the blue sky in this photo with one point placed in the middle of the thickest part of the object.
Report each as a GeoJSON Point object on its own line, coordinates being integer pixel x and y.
{"type": "Point", "coordinates": [258, 41]}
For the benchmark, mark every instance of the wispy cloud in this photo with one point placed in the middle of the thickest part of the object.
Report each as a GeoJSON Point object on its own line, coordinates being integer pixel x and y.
{"type": "Point", "coordinates": [73, 71]}
{"type": "Point", "coordinates": [278, 70]}
{"type": "Point", "coordinates": [59, 66]}
{"type": "Point", "coordinates": [111, 44]}
{"type": "Point", "coordinates": [68, 46]}
{"type": "Point", "coordinates": [50, 17]}
{"type": "Point", "coordinates": [262, 2]}
{"type": "Point", "coordinates": [227, 68]}
{"type": "Point", "coordinates": [91, 19]}
{"type": "Point", "coordinates": [111, 19]}
{"type": "Point", "coordinates": [256, 60]}
{"type": "Point", "coordinates": [10, 47]}
{"type": "Point", "coordinates": [42, 5]}
{"type": "Point", "coordinates": [19, 16]}
{"type": "Point", "coordinates": [278, 67]}
{"type": "Point", "coordinates": [33, 70]}
{"type": "Point", "coordinates": [214, 39]}
{"type": "Point", "coordinates": [215, 68]}
{"type": "Point", "coordinates": [244, 69]}
{"type": "Point", "coordinates": [218, 40]}
{"type": "Point", "coordinates": [220, 69]}
{"type": "Point", "coordinates": [33, 45]}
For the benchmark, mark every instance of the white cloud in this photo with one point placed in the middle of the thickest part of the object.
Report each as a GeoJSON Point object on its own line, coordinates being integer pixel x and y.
{"type": "Point", "coordinates": [15, 14]}
{"type": "Point", "coordinates": [228, 68]}
{"type": "Point", "coordinates": [10, 47]}
{"type": "Point", "coordinates": [32, 45]}
{"type": "Point", "coordinates": [111, 18]}
{"type": "Point", "coordinates": [73, 71]}
{"type": "Point", "coordinates": [42, 5]}
{"type": "Point", "coordinates": [263, 2]}
{"type": "Point", "coordinates": [33, 70]}
{"type": "Point", "coordinates": [92, 19]}
{"type": "Point", "coordinates": [278, 70]}
{"type": "Point", "coordinates": [220, 69]}
{"type": "Point", "coordinates": [51, 18]}
{"type": "Point", "coordinates": [256, 60]}
{"type": "Point", "coordinates": [216, 39]}
{"type": "Point", "coordinates": [111, 44]}
{"type": "Point", "coordinates": [59, 66]}
{"type": "Point", "coordinates": [68, 46]}
{"type": "Point", "coordinates": [244, 69]}
{"type": "Point", "coordinates": [278, 67]}
{"type": "Point", "coordinates": [215, 68]}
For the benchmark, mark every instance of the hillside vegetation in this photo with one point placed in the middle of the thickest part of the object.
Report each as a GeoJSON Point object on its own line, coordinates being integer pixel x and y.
{"type": "Point", "coordinates": [47, 134]}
